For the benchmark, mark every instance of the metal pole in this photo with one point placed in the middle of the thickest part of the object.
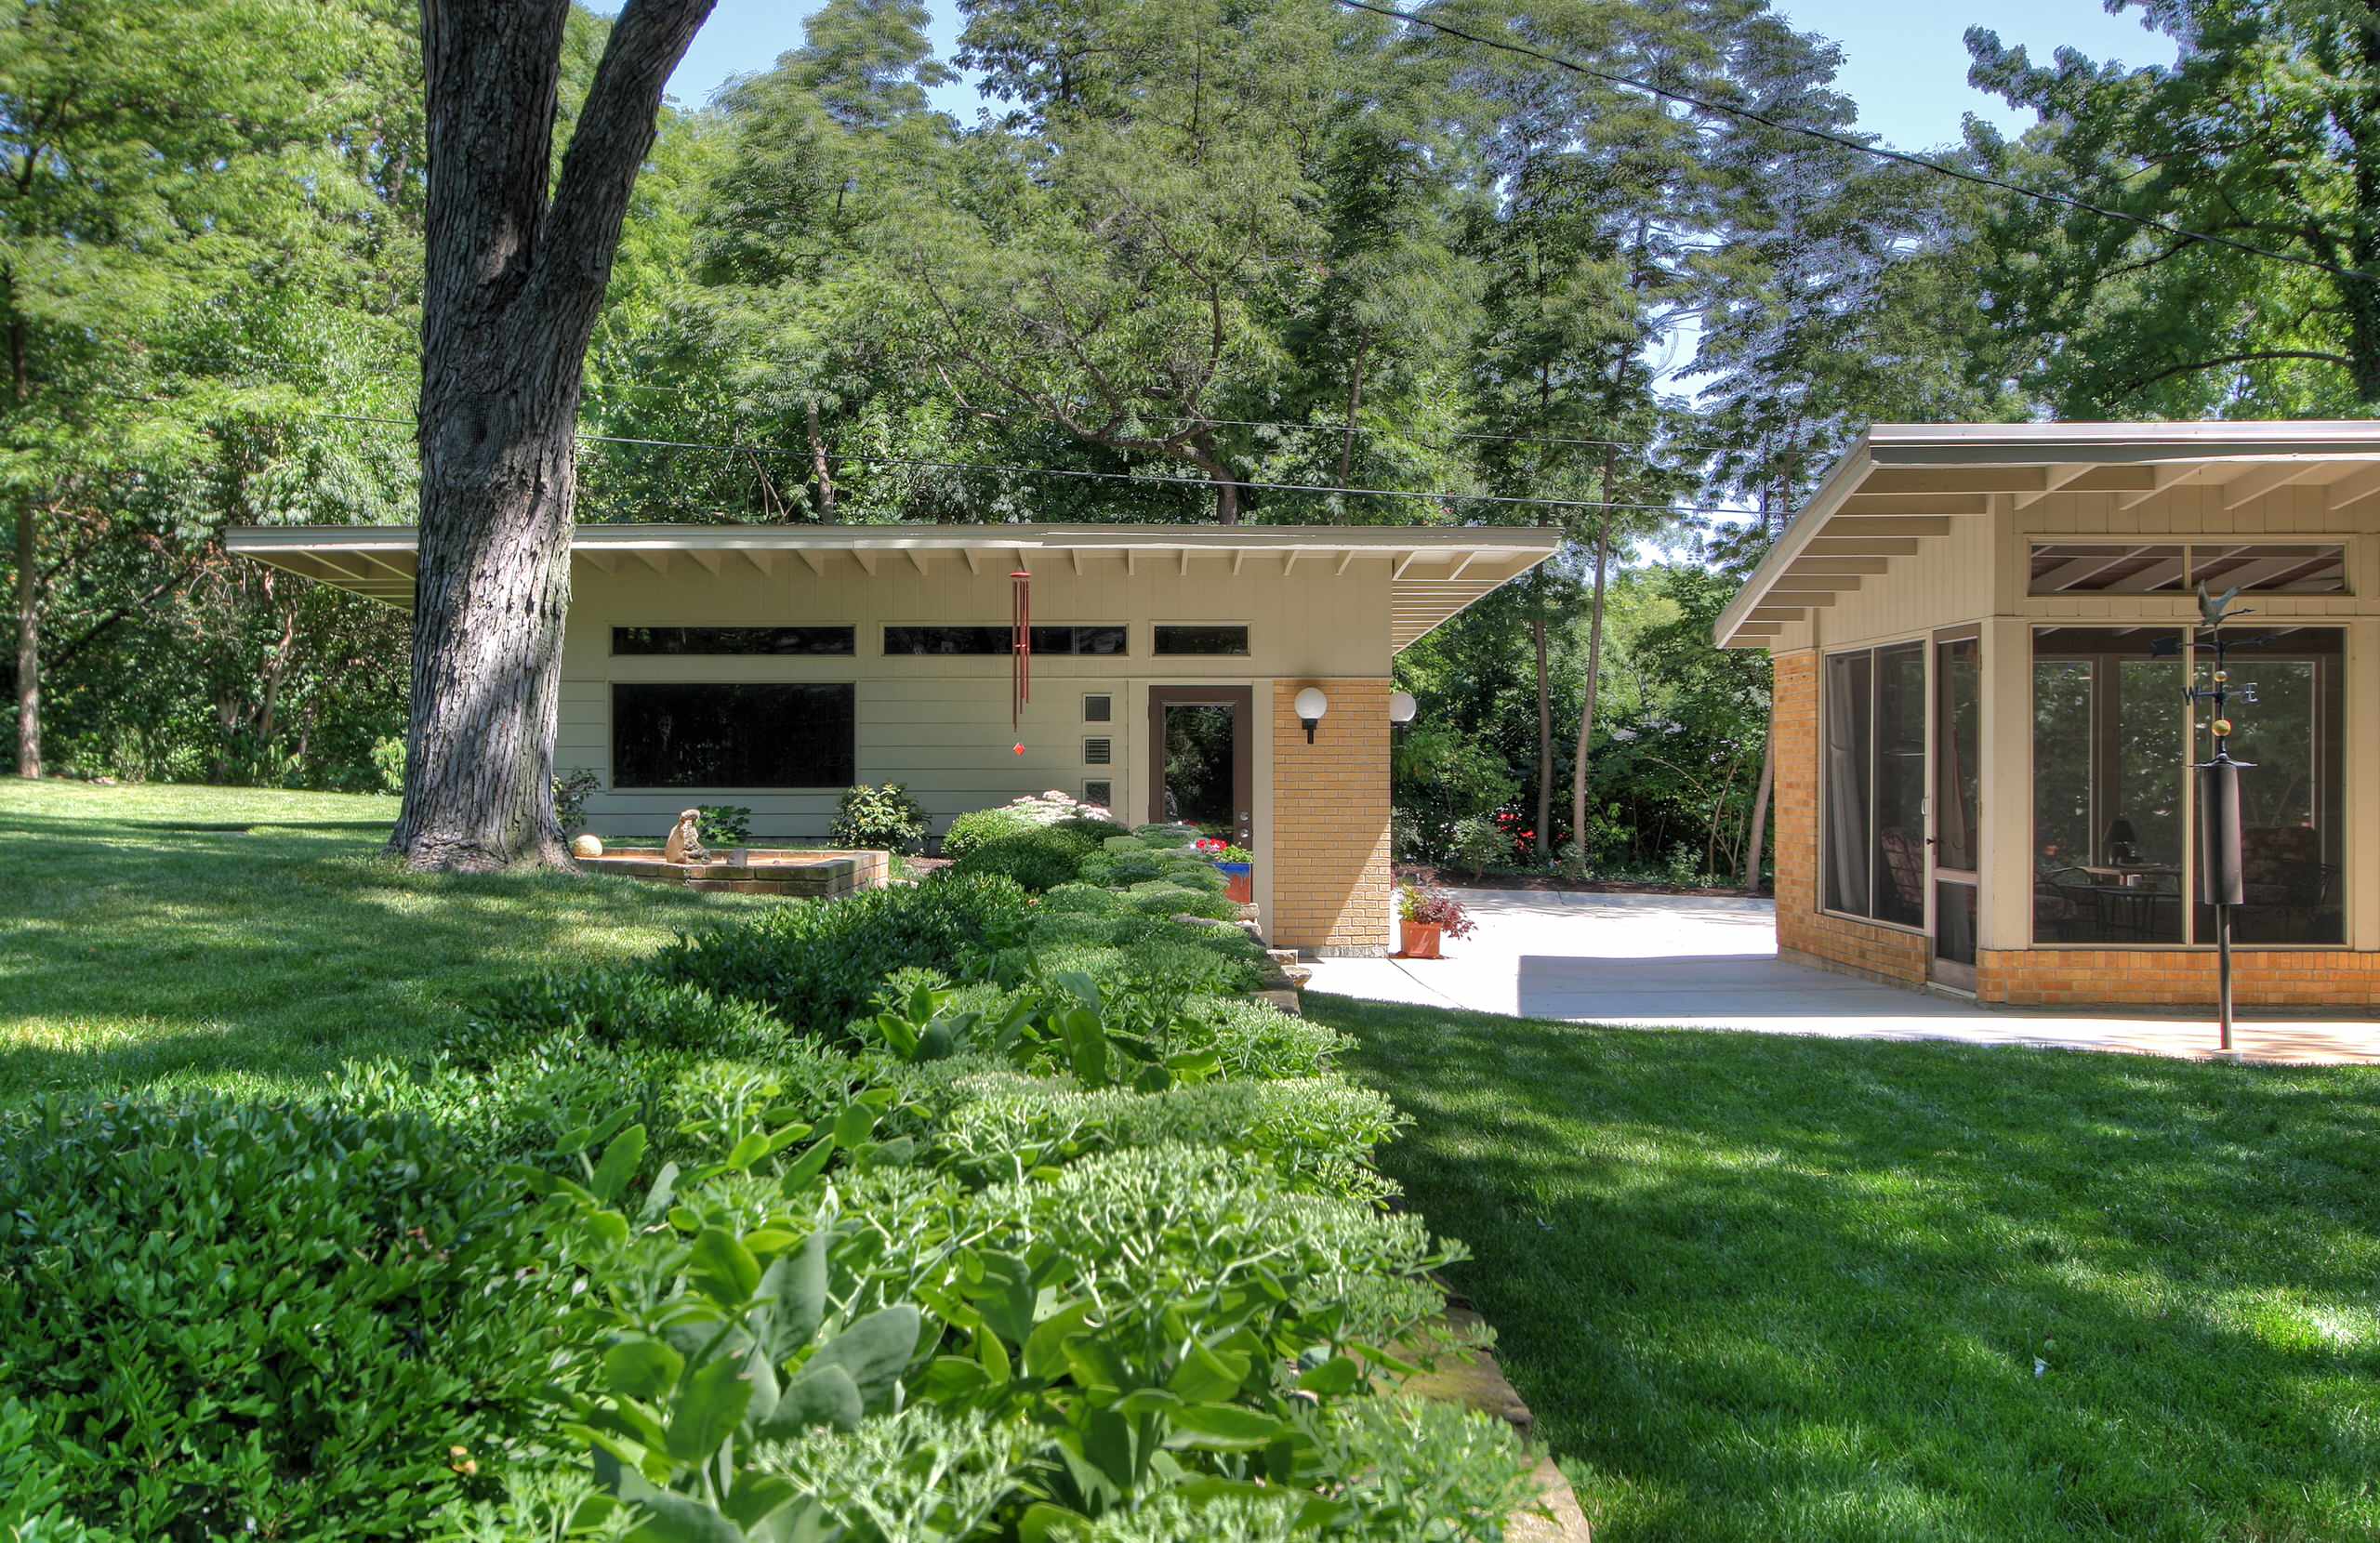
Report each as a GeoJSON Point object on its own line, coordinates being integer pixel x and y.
{"type": "Point", "coordinates": [2223, 973]}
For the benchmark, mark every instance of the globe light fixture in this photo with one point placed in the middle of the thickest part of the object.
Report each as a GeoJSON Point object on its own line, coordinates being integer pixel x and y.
{"type": "Point", "coordinates": [1311, 706]}
{"type": "Point", "coordinates": [1401, 707]}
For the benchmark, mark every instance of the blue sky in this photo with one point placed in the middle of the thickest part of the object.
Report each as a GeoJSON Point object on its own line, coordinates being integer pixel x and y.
{"type": "Point", "coordinates": [1903, 62]}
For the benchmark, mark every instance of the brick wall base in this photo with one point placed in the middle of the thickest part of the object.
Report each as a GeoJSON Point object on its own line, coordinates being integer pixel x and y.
{"type": "Point", "coordinates": [2139, 977]}
{"type": "Point", "coordinates": [1331, 868]}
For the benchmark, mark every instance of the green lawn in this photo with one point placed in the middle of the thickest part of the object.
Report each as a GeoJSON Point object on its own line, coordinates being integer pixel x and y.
{"type": "Point", "coordinates": [1760, 1288]}
{"type": "Point", "coordinates": [250, 940]}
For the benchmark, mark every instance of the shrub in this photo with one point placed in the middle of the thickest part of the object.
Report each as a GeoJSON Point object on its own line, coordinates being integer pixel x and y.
{"type": "Point", "coordinates": [619, 1005]}
{"type": "Point", "coordinates": [1476, 844]}
{"type": "Point", "coordinates": [817, 963]}
{"type": "Point", "coordinates": [1168, 834]}
{"type": "Point", "coordinates": [1256, 1039]}
{"type": "Point", "coordinates": [889, 817]}
{"type": "Point", "coordinates": [1166, 900]}
{"type": "Point", "coordinates": [1037, 859]}
{"type": "Point", "coordinates": [1083, 899]}
{"type": "Point", "coordinates": [571, 791]}
{"type": "Point", "coordinates": [723, 824]}
{"type": "Point", "coordinates": [271, 1320]}
{"type": "Point", "coordinates": [1097, 830]}
{"type": "Point", "coordinates": [388, 769]}
{"type": "Point", "coordinates": [970, 831]}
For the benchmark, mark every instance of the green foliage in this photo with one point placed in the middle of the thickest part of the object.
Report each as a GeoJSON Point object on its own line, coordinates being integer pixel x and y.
{"type": "Point", "coordinates": [1476, 844]}
{"type": "Point", "coordinates": [571, 791]}
{"type": "Point", "coordinates": [389, 767]}
{"type": "Point", "coordinates": [327, 1325]}
{"type": "Point", "coordinates": [723, 824]}
{"type": "Point", "coordinates": [1258, 1040]}
{"type": "Point", "coordinates": [1037, 858]}
{"type": "Point", "coordinates": [1443, 780]}
{"type": "Point", "coordinates": [889, 817]}
{"type": "Point", "coordinates": [815, 964]}
{"type": "Point", "coordinates": [972, 830]}
{"type": "Point", "coordinates": [626, 1005]}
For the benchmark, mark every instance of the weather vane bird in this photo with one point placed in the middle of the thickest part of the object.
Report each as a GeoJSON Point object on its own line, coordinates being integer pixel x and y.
{"type": "Point", "coordinates": [2213, 607]}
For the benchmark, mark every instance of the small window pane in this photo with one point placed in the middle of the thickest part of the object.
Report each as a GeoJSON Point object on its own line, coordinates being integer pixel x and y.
{"type": "Point", "coordinates": [1848, 736]}
{"type": "Point", "coordinates": [2292, 813]}
{"type": "Point", "coordinates": [1201, 639]}
{"type": "Point", "coordinates": [1097, 708]}
{"type": "Point", "coordinates": [987, 641]}
{"type": "Point", "coordinates": [2107, 779]}
{"type": "Point", "coordinates": [2270, 568]}
{"type": "Point", "coordinates": [732, 735]}
{"type": "Point", "coordinates": [2108, 568]}
{"type": "Point", "coordinates": [732, 640]}
{"type": "Point", "coordinates": [1099, 793]}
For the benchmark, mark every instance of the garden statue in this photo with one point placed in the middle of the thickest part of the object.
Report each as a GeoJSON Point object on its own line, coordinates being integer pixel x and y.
{"type": "Point", "coordinates": [586, 845]}
{"type": "Point", "coordinates": [685, 843]}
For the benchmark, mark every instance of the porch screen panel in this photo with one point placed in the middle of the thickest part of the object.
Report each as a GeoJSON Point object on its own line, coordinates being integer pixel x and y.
{"type": "Point", "coordinates": [1897, 881]}
{"type": "Point", "coordinates": [1849, 740]}
{"type": "Point", "coordinates": [2293, 836]}
{"type": "Point", "coordinates": [2109, 744]}
{"type": "Point", "coordinates": [1958, 771]}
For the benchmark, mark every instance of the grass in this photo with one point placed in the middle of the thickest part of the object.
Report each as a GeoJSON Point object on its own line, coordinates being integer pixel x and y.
{"type": "Point", "coordinates": [249, 940]}
{"type": "Point", "coordinates": [1769, 1287]}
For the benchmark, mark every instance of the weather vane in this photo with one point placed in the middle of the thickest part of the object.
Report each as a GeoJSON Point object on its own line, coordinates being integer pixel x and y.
{"type": "Point", "coordinates": [2219, 880]}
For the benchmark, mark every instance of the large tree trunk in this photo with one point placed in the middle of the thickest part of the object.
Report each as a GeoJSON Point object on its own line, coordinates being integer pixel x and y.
{"type": "Point", "coordinates": [512, 286]}
{"type": "Point", "coordinates": [1594, 678]}
{"type": "Point", "coordinates": [823, 482]}
{"type": "Point", "coordinates": [1354, 405]}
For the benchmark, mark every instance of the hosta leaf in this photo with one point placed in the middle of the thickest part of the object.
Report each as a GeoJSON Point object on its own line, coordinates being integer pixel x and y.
{"type": "Point", "coordinates": [820, 1395]}
{"type": "Point", "coordinates": [856, 1124]}
{"type": "Point", "coordinates": [1222, 1426]}
{"type": "Point", "coordinates": [722, 1269]}
{"type": "Point", "coordinates": [875, 1350]}
{"type": "Point", "coordinates": [1045, 1346]}
{"type": "Point", "coordinates": [952, 1380]}
{"type": "Point", "coordinates": [1204, 1377]}
{"type": "Point", "coordinates": [795, 1285]}
{"type": "Point", "coordinates": [642, 1368]}
{"type": "Point", "coordinates": [707, 1410]}
{"type": "Point", "coordinates": [1336, 1376]}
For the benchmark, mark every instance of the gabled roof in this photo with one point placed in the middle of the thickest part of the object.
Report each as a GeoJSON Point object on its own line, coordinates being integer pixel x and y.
{"type": "Point", "coordinates": [1903, 482]}
{"type": "Point", "coordinates": [1434, 570]}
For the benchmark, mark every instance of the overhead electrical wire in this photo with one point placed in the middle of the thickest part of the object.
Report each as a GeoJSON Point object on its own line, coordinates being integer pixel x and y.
{"type": "Point", "coordinates": [1138, 480]}
{"type": "Point", "coordinates": [1843, 141]}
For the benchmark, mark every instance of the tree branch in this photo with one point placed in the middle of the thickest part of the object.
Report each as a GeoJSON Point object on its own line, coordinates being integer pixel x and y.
{"type": "Point", "coordinates": [2254, 356]}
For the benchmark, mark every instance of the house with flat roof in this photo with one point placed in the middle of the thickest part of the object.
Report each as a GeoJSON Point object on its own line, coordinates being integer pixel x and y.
{"type": "Point", "coordinates": [774, 667]}
{"type": "Point", "coordinates": [1983, 635]}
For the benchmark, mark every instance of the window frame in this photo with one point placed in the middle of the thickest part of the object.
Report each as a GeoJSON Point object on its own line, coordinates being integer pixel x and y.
{"type": "Point", "coordinates": [886, 629]}
{"type": "Point", "coordinates": [1247, 630]}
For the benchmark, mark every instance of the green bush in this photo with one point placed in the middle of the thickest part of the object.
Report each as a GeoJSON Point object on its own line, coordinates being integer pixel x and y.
{"type": "Point", "coordinates": [1037, 859]}
{"type": "Point", "coordinates": [1164, 899]}
{"type": "Point", "coordinates": [256, 1319]}
{"type": "Point", "coordinates": [817, 963]}
{"type": "Point", "coordinates": [619, 1005]}
{"type": "Point", "coordinates": [1098, 831]}
{"type": "Point", "coordinates": [889, 817]}
{"type": "Point", "coordinates": [1257, 1039]}
{"type": "Point", "coordinates": [1084, 899]}
{"type": "Point", "coordinates": [1168, 834]}
{"type": "Point", "coordinates": [972, 830]}
{"type": "Point", "coordinates": [571, 791]}
{"type": "Point", "coordinates": [723, 824]}
{"type": "Point", "coordinates": [389, 767]}
{"type": "Point", "coordinates": [1098, 869]}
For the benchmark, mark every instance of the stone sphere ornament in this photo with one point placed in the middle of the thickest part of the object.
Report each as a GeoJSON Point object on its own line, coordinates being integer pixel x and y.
{"type": "Point", "coordinates": [586, 845]}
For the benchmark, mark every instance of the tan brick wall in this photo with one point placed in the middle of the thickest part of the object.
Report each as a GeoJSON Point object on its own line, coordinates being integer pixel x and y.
{"type": "Point", "coordinates": [1803, 931]}
{"type": "Point", "coordinates": [1330, 858]}
{"type": "Point", "coordinates": [2079, 977]}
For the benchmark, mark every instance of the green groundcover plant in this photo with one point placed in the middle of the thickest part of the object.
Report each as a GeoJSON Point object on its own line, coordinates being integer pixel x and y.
{"type": "Point", "coordinates": [987, 1208]}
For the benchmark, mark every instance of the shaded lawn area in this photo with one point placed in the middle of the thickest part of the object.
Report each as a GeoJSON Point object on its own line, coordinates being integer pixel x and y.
{"type": "Point", "coordinates": [1759, 1287]}
{"type": "Point", "coordinates": [249, 940]}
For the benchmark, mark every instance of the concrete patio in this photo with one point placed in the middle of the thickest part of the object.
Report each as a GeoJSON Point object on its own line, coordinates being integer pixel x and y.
{"type": "Point", "coordinates": [1709, 962]}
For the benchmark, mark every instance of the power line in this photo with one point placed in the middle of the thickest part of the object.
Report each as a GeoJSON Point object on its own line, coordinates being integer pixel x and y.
{"type": "Point", "coordinates": [1199, 483]}
{"type": "Point", "coordinates": [1845, 142]}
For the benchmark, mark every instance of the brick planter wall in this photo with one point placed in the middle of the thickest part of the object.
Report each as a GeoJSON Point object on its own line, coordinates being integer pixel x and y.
{"type": "Point", "coordinates": [1804, 932]}
{"type": "Point", "coordinates": [2081, 977]}
{"type": "Point", "coordinates": [1330, 869]}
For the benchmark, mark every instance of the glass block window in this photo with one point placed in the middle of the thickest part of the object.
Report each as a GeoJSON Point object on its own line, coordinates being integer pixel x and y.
{"type": "Point", "coordinates": [982, 640]}
{"type": "Point", "coordinates": [809, 640]}
{"type": "Point", "coordinates": [1201, 639]}
{"type": "Point", "coordinates": [742, 735]}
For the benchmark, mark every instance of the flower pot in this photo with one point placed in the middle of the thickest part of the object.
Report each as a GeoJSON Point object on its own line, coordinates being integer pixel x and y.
{"type": "Point", "coordinates": [1421, 940]}
{"type": "Point", "coordinates": [1239, 881]}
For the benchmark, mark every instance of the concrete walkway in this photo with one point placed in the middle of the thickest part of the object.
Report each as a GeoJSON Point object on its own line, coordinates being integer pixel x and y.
{"type": "Point", "coordinates": [1646, 961]}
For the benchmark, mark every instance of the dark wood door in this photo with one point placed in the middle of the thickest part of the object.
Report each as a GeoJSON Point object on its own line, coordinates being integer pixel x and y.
{"type": "Point", "coordinates": [1240, 700]}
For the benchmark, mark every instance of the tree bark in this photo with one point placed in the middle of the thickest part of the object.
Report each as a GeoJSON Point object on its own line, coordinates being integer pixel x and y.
{"type": "Point", "coordinates": [1354, 405]}
{"type": "Point", "coordinates": [1594, 675]}
{"type": "Point", "coordinates": [824, 483]}
{"type": "Point", "coordinates": [512, 286]}
{"type": "Point", "coordinates": [28, 587]}
{"type": "Point", "coordinates": [1759, 834]}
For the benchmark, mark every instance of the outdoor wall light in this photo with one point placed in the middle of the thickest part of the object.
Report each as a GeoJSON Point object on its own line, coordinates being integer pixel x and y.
{"type": "Point", "coordinates": [1311, 706]}
{"type": "Point", "coordinates": [1401, 707]}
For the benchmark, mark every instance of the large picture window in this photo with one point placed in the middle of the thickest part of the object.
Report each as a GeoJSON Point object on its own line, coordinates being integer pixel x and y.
{"type": "Point", "coordinates": [1875, 787]}
{"type": "Point", "coordinates": [756, 735]}
{"type": "Point", "coordinates": [2112, 737]}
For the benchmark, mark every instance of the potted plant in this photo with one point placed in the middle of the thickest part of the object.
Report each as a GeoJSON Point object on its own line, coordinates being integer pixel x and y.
{"type": "Point", "coordinates": [1430, 917]}
{"type": "Point", "coordinates": [1237, 865]}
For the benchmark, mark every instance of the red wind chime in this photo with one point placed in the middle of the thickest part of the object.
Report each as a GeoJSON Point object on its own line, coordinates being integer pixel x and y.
{"type": "Point", "coordinates": [1020, 652]}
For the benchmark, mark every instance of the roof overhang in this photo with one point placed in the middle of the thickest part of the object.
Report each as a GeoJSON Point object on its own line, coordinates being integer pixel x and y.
{"type": "Point", "coordinates": [1905, 483]}
{"type": "Point", "coordinates": [1434, 570]}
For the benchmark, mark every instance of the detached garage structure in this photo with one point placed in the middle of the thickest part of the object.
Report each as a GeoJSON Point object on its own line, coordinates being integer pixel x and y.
{"type": "Point", "coordinates": [1982, 635]}
{"type": "Point", "coordinates": [774, 667]}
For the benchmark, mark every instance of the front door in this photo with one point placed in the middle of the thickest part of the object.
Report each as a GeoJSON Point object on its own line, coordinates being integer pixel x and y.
{"type": "Point", "coordinates": [1957, 806]}
{"type": "Point", "coordinates": [1202, 759]}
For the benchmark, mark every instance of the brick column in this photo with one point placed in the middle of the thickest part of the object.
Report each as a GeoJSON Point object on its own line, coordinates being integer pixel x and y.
{"type": "Point", "coordinates": [1329, 856]}
{"type": "Point", "coordinates": [1794, 690]}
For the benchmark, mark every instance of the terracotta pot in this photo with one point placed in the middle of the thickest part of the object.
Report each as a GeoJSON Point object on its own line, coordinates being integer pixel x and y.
{"type": "Point", "coordinates": [1421, 940]}
{"type": "Point", "coordinates": [1239, 880]}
